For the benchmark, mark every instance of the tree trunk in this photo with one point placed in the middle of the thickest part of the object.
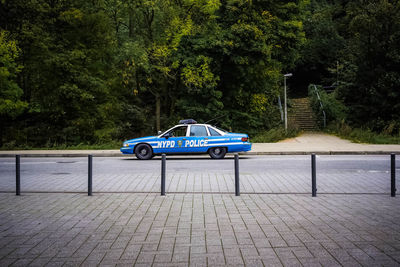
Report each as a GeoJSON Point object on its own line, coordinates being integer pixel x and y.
{"type": "Point", "coordinates": [158, 108]}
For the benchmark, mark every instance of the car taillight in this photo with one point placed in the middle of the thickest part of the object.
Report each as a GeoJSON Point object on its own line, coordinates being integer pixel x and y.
{"type": "Point", "coordinates": [244, 139]}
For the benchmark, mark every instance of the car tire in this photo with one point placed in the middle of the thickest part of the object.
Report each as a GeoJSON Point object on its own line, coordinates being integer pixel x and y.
{"type": "Point", "coordinates": [143, 151]}
{"type": "Point", "coordinates": [217, 152]}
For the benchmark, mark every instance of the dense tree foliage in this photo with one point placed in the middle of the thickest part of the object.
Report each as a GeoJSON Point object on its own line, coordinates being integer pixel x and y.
{"type": "Point", "coordinates": [354, 46]}
{"type": "Point", "coordinates": [93, 71]}
{"type": "Point", "coordinates": [371, 64]}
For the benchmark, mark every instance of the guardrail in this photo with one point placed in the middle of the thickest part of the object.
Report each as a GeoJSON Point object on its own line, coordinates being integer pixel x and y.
{"type": "Point", "coordinates": [236, 171]}
{"type": "Point", "coordinates": [320, 103]}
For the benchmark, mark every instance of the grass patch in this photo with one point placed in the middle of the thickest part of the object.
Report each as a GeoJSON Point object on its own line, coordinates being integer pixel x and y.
{"type": "Point", "coordinates": [108, 145]}
{"type": "Point", "coordinates": [274, 135]}
{"type": "Point", "coordinates": [358, 135]}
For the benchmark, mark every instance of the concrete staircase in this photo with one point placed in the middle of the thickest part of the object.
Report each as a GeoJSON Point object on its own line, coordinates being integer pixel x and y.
{"type": "Point", "coordinates": [301, 116]}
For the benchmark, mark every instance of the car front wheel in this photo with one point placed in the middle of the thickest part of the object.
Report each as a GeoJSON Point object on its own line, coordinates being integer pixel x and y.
{"type": "Point", "coordinates": [217, 152]}
{"type": "Point", "coordinates": [143, 151]}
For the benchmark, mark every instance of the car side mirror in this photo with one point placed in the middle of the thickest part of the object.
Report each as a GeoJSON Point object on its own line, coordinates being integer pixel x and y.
{"type": "Point", "coordinates": [159, 132]}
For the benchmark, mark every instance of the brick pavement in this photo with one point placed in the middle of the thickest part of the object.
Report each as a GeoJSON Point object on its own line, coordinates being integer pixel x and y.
{"type": "Point", "coordinates": [146, 229]}
{"type": "Point", "coordinates": [268, 181]}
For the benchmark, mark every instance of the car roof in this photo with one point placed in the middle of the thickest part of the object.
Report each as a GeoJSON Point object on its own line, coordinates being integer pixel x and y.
{"type": "Point", "coordinates": [193, 124]}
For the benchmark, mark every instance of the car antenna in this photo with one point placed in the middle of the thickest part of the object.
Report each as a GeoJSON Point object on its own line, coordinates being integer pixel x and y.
{"type": "Point", "coordinates": [215, 118]}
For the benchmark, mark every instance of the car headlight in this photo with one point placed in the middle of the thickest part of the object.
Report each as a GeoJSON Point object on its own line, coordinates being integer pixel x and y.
{"type": "Point", "coordinates": [126, 144]}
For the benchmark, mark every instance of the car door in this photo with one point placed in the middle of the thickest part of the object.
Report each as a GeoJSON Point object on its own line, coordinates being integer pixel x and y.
{"type": "Point", "coordinates": [216, 139]}
{"type": "Point", "coordinates": [172, 141]}
{"type": "Point", "coordinates": [197, 139]}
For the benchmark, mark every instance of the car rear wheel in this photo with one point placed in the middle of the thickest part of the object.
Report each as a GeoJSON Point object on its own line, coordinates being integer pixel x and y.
{"type": "Point", "coordinates": [143, 151]}
{"type": "Point", "coordinates": [217, 152]}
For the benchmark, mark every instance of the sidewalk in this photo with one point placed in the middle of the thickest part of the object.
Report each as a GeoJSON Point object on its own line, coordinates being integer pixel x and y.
{"type": "Point", "coordinates": [306, 143]}
{"type": "Point", "coordinates": [321, 143]}
{"type": "Point", "coordinates": [199, 230]}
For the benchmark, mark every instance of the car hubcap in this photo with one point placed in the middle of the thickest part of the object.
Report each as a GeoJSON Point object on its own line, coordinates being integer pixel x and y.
{"type": "Point", "coordinates": [217, 151]}
{"type": "Point", "coordinates": [143, 152]}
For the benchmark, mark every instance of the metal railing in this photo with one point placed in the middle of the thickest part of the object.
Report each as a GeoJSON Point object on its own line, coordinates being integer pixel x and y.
{"type": "Point", "coordinates": [320, 103]}
{"type": "Point", "coordinates": [236, 170]}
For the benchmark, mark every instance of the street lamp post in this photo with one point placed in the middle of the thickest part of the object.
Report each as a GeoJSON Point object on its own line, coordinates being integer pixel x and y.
{"type": "Point", "coordinates": [284, 81]}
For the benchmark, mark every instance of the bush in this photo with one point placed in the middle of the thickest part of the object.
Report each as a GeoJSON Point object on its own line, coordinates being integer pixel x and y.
{"type": "Point", "coordinates": [274, 135]}
{"type": "Point", "coordinates": [334, 109]}
{"type": "Point", "coordinates": [362, 135]}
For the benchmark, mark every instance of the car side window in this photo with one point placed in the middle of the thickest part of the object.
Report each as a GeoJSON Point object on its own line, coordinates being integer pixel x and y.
{"type": "Point", "coordinates": [177, 132]}
{"type": "Point", "coordinates": [198, 130]}
{"type": "Point", "coordinates": [213, 132]}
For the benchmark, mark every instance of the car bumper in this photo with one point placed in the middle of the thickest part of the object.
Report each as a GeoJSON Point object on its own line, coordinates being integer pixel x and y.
{"type": "Point", "coordinates": [240, 148]}
{"type": "Point", "coordinates": [126, 150]}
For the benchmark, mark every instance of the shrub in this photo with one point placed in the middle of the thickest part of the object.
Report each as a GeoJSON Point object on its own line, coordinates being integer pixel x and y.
{"type": "Point", "coordinates": [362, 135]}
{"type": "Point", "coordinates": [334, 109]}
{"type": "Point", "coordinates": [274, 135]}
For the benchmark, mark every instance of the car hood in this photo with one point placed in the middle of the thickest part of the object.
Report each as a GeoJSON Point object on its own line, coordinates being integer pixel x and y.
{"type": "Point", "coordinates": [141, 139]}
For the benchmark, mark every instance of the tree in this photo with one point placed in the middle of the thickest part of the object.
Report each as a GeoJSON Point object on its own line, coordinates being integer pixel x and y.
{"type": "Point", "coordinates": [94, 71]}
{"type": "Point", "coordinates": [255, 42]}
{"type": "Point", "coordinates": [10, 93]}
{"type": "Point", "coordinates": [321, 57]}
{"type": "Point", "coordinates": [66, 50]}
{"type": "Point", "coordinates": [158, 62]}
{"type": "Point", "coordinates": [372, 81]}
{"type": "Point", "coordinates": [11, 104]}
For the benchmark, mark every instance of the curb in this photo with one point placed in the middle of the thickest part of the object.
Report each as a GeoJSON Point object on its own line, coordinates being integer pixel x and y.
{"type": "Point", "coordinates": [323, 153]}
{"type": "Point", "coordinates": [118, 154]}
{"type": "Point", "coordinates": [62, 155]}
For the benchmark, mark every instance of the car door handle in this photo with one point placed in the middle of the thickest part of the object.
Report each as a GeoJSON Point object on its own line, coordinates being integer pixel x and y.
{"type": "Point", "coordinates": [206, 138]}
{"type": "Point", "coordinates": [184, 139]}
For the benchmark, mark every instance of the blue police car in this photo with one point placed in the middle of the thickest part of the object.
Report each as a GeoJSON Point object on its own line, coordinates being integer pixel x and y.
{"type": "Point", "coordinates": [188, 137]}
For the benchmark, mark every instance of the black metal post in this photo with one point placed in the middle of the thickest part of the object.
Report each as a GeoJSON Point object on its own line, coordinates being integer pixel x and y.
{"type": "Point", "coordinates": [90, 174]}
{"type": "Point", "coordinates": [313, 176]}
{"type": "Point", "coordinates": [237, 185]}
{"type": "Point", "coordinates": [18, 175]}
{"type": "Point", "coordinates": [393, 174]}
{"type": "Point", "coordinates": [163, 163]}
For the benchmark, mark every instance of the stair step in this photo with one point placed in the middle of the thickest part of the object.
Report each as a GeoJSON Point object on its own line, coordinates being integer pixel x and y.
{"type": "Point", "coordinates": [302, 115]}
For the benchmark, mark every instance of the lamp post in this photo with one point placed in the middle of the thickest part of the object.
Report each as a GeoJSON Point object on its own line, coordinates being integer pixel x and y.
{"type": "Point", "coordinates": [284, 81]}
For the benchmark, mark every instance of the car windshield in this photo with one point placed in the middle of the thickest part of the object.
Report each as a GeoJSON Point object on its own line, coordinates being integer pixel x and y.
{"type": "Point", "coordinates": [177, 131]}
{"type": "Point", "coordinates": [219, 128]}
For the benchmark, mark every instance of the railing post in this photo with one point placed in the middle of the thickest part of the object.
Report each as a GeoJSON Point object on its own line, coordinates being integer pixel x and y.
{"type": "Point", "coordinates": [90, 174]}
{"type": "Point", "coordinates": [163, 163]}
{"type": "Point", "coordinates": [17, 175]}
{"type": "Point", "coordinates": [313, 176]}
{"type": "Point", "coordinates": [237, 184]}
{"type": "Point", "coordinates": [393, 174]}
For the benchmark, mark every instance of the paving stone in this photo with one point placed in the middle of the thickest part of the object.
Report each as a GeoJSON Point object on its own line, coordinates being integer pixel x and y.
{"type": "Point", "coordinates": [55, 263]}
{"type": "Point", "coordinates": [219, 229]}
{"type": "Point", "coordinates": [253, 262]}
{"type": "Point", "coordinates": [216, 259]}
{"type": "Point", "coordinates": [197, 250]}
{"type": "Point", "coordinates": [163, 258]}
{"type": "Point", "coordinates": [198, 260]}
{"type": "Point", "coordinates": [290, 262]}
{"type": "Point", "coordinates": [145, 258]}
{"type": "Point", "coordinates": [234, 261]}
{"type": "Point", "coordinates": [312, 262]}
{"type": "Point", "coordinates": [272, 262]}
